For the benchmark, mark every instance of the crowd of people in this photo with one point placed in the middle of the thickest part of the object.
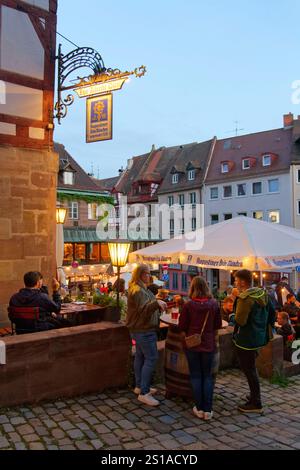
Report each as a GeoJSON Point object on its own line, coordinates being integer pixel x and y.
{"type": "Point", "coordinates": [254, 312]}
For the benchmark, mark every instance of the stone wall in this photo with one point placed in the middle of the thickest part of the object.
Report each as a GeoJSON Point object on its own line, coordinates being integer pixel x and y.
{"type": "Point", "coordinates": [28, 180]}
{"type": "Point", "coordinates": [64, 363]}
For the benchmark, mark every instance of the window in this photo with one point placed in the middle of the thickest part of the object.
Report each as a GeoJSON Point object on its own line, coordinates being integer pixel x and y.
{"type": "Point", "coordinates": [175, 281]}
{"type": "Point", "coordinates": [274, 217]}
{"type": "Point", "coordinates": [92, 211]}
{"type": "Point", "coordinates": [184, 282]}
{"type": "Point", "coordinates": [214, 193]}
{"type": "Point", "coordinates": [227, 144]}
{"type": "Point", "coordinates": [244, 214]}
{"type": "Point", "coordinates": [246, 164]}
{"type": "Point", "coordinates": [181, 199]}
{"type": "Point", "coordinates": [227, 191]}
{"type": "Point", "coordinates": [171, 201]}
{"type": "Point", "coordinates": [227, 216]}
{"type": "Point", "coordinates": [273, 186]}
{"type": "Point", "coordinates": [181, 225]}
{"type": "Point", "coordinates": [175, 178]}
{"type": "Point", "coordinates": [149, 210]}
{"type": "Point", "coordinates": [257, 188]}
{"type": "Point", "coordinates": [241, 189]}
{"type": "Point", "coordinates": [225, 167]}
{"type": "Point", "coordinates": [298, 176]}
{"type": "Point", "coordinates": [80, 251]}
{"type": "Point", "coordinates": [192, 198]}
{"type": "Point", "coordinates": [153, 188]}
{"type": "Point", "coordinates": [68, 177]}
{"type": "Point", "coordinates": [172, 226]}
{"type": "Point", "coordinates": [259, 215]}
{"type": "Point", "coordinates": [214, 219]}
{"type": "Point", "coordinates": [194, 224]}
{"type": "Point", "coordinates": [266, 160]}
{"type": "Point", "coordinates": [298, 207]}
{"type": "Point", "coordinates": [191, 175]}
{"type": "Point", "coordinates": [73, 210]}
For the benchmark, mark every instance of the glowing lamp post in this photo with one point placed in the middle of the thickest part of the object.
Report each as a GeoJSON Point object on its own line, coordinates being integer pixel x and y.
{"type": "Point", "coordinates": [118, 251]}
{"type": "Point", "coordinates": [61, 215]}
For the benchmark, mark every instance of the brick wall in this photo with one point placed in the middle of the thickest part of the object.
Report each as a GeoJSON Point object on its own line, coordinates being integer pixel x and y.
{"type": "Point", "coordinates": [27, 218]}
{"type": "Point", "coordinates": [64, 363]}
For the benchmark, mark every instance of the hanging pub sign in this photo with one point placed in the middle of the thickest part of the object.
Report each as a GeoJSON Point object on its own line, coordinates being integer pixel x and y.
{"type": "Point", "coordinates": [99, 118]}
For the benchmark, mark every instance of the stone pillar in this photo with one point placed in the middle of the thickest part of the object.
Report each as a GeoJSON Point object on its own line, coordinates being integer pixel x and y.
{"type": "Point", "coordinates": [28, 182]}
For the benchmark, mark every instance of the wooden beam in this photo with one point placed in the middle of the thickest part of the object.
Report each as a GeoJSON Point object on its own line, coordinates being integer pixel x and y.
{"type": "Point", "coordinates": [22, 121]}
{"type": "Point", "coordinates": [25, 8]}
{"type": "Point", "coordinates": [22, 80]}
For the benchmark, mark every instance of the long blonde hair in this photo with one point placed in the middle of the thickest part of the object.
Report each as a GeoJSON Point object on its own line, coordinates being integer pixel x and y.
{"type": "Point", "coordinates": [199, 288]}
{"type": "Point", "coordinates": [137, 273]}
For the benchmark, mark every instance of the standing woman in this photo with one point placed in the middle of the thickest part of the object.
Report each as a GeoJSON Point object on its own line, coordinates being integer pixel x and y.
{"type": "Point", "coordinates": [143, 317]}
{"type": "Point", "coordinates": [201, 314]}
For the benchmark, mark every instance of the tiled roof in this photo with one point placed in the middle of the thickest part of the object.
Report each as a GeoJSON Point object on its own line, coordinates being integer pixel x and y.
{"type": "Point", "coordinates": [82, 180]}
{"type": "Point", "coordinates": [130, 174]}
{"type": "Point", "coordinates": [196, 153]}
{"type": "Point", "coordinates": [277, 142]}
{"type": "Point", "coordinates": [107, 184]}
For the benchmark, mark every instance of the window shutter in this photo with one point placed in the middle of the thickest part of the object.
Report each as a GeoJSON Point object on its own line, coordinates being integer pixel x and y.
{"type": "Point", "coordinates": [90, 212]}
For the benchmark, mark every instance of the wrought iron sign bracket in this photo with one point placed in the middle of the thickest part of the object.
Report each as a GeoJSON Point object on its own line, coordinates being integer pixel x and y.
{"type": "Point", "coordinates": [101, 81]}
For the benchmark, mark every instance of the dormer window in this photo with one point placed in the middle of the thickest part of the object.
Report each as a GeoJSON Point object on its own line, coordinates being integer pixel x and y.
{"type": "Point", "coordinates": [191, 175]}
{"type": "Point", "coordinates": [246, 164]}
{"type": "Point", "coordinates": [175, 178]}
{"type": "Point", "coordinates": [225, 167]}
{"type": "Point", "coordinates": [266, 160]}
{"type": "Point", "coordinates": [69, 177]}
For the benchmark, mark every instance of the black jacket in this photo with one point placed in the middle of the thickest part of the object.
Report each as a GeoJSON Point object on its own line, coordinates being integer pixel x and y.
{"type": "Point", "coordinates": [35, 298]}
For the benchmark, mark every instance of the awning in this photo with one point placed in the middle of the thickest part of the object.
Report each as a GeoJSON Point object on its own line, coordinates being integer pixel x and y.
{"type": "Point", "coordinates": [81, 235]}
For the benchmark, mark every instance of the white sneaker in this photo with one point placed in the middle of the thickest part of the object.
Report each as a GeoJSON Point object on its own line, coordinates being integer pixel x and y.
{"type": "Point", "coordinates": [208, 415]}
{"type": "Point", "coordinates": [198, 413]}
{"type": "Point", "coordinates": [137, 391]}
{"type": "Point", "coordinates": [148, 400]}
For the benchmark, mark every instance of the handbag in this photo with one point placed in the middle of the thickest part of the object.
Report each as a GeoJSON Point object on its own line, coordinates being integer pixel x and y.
{"type": "Point", "coordinates": [196, 339]}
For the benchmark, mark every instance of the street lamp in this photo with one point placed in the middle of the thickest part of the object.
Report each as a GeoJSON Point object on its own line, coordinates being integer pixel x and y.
{"type": "Point", "coordinates": [118, 251]}
{"type": "Point", "coordinates": [61, 213]}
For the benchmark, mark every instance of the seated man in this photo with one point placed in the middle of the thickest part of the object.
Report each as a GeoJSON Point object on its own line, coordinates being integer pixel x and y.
{"type": "Point", "coordinates": [286, 330]}
{"type": "Point", "coordinates": [227, 308]}
{"type": "Point", "coordinates": [32, 296]}
{"type": "Point", "coordinates": [292, 307]}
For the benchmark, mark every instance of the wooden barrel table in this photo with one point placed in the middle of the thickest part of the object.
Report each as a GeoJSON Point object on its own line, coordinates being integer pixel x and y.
{"type": "Point", "coordinates": [177, 375]}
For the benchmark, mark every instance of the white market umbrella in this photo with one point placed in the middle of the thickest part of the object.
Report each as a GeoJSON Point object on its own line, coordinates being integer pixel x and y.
{"type": "Point", "coordinates": [238, 243]}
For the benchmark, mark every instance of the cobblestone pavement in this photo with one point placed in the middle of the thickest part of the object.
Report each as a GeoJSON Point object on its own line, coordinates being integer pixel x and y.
{"type": "Point", "coordinates": [116, 420]}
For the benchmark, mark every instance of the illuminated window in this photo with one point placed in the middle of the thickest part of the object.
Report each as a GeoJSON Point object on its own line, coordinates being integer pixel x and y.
{"type": "Point", "coordinates": [274, 217]}
{"type": "Point", "coordinates": [259, 215]}
{"type": "Point", "coordinates": [92, 211]}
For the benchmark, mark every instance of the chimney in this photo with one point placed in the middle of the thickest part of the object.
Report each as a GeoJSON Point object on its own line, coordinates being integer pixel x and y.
{"type": "Point", "coordinates": [288, 120]}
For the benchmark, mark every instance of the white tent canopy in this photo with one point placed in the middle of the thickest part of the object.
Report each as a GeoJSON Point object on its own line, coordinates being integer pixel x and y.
{"type": "Point", "coordinates": [241, 242]}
